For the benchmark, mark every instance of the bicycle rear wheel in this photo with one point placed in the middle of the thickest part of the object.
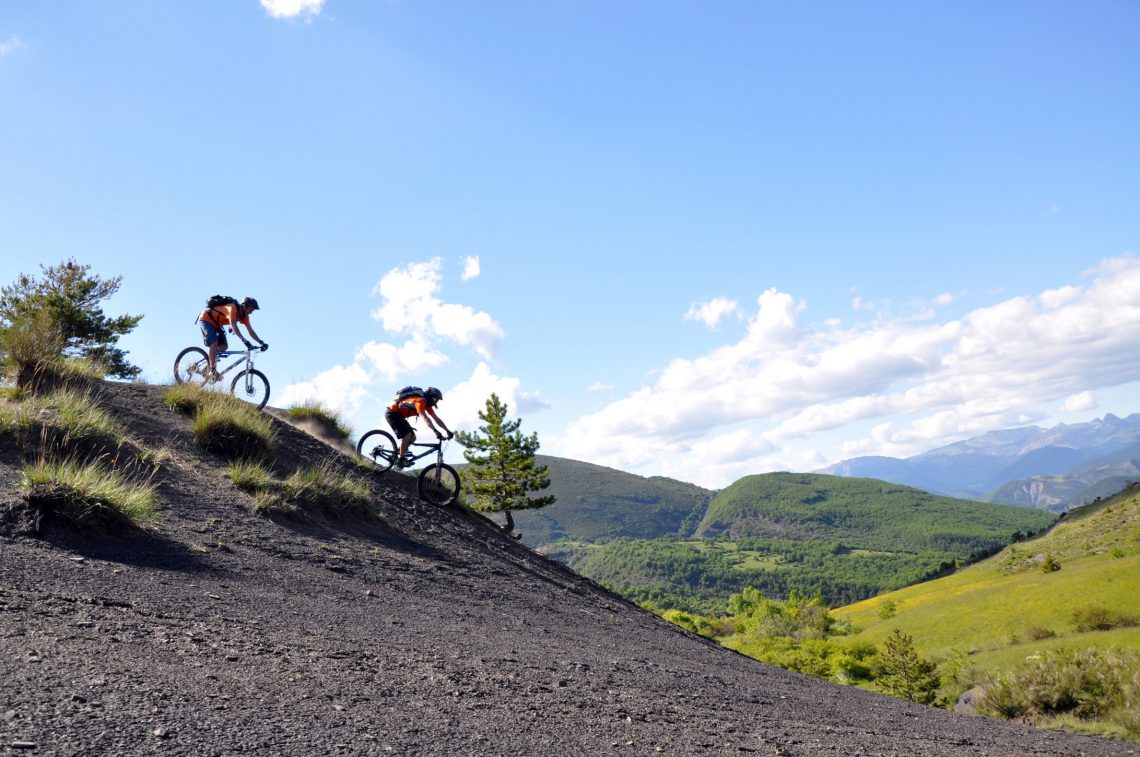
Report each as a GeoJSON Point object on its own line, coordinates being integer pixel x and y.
{"type": "Point", "coordinates": [439, 484]}
{"type": "Point", "coordinates": [379, 447]}
{"type": "Point", "coordinates": [251, 386]}
{"type": "Point", "coordinates": [191, 366]}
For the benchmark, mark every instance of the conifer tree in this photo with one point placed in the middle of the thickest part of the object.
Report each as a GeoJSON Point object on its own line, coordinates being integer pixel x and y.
{"type": "Point", "coordinates": [69, 296]}
{"type": "Point", "coordinates": [502, 468]}
{"type": "Point", "coordinates": [905, 674]}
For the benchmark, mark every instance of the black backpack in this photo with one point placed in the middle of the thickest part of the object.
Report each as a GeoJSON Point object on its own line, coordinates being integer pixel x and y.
{"type": "Point", "coordinates": [220, 299]}
{"type": "Point", "coordinates": [408, 392]}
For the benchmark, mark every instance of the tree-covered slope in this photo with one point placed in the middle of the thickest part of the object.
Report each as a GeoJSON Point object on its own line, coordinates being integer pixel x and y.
{"type": "Point", "coordinates": [862, 513]}
{"type": "Point", "coordinates": [595, 503]}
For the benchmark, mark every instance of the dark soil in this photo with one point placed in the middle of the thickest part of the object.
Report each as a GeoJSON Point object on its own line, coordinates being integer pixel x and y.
{"type": "Point", "coordinates": [412, 630]}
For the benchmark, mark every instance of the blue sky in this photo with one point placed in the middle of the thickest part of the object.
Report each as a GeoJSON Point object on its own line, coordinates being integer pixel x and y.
{"type": "Point", "coordinates": [691, 239]}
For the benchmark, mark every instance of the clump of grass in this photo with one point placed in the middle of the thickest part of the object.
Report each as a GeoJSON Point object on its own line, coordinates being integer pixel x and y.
{"type": "Point", "coordinates": [64, 418]}
{"type": "Point", "coordinates": [250, 477]}
{"type": "Point", "coordinates": [1088, 685]}
{"type": "Point", "coordinates": [185, 398]}
{"type": "Point", "coordinates": [1096, 618]}
{"type": "Point", "coordinates": [225, 424]}
{"type": "Point", "coordinates": [321, 485]}
{"type": "Point", "coordinates": [87, 493]}
{"type": "Point", "coordinates": [328, 418]}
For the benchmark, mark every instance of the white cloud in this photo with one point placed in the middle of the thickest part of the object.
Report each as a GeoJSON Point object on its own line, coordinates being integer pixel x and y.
{"type": "Point", "coordinates": [11, 45]}
{"type": "Point", "coordinates": [292, 8]}
{"type": "Point", "coordinates": [710, 313]}
{"type": "Point", "coordinates": [411, 306]}
{"type": "Point", "coordinates": [470, 267]}
{"type": "Point", "coordinates": [918, 385]}
{"type": "Point", "coordinates": [598, 386]}
{"type": "Point", "coordinates": [946, 298]}
{"type": "Point", "coordinates": [344, 388]}
{"type": "Point", "coordinates": [462, 403]}
{"type": "Point", "coordinates": [1079, 401]}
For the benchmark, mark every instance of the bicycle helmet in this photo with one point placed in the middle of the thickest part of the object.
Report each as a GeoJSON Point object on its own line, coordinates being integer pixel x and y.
{"type": "Point", "coordinates": [433, 394]}
{"type": "Point", "coordinates": [250, 304]}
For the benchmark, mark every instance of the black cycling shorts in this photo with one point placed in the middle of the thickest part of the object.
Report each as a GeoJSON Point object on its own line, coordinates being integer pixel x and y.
{"type": "Point", "coordinates": [398, 423]}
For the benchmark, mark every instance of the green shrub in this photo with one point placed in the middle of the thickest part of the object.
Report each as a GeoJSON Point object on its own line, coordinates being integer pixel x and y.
{"type": "Point", "coordinates": [1037, 633]}
{"type": "Point", "coordinates": [328, 418]}
{"type": "Point", "coordinates": [1050, 565]}
{"type": "Point", "coordinates": [1096, 618]}
{"type": "Point", "coordinates": [888, 608]}
{"type": "Point", "coordinates": [1089, 684]}
{"type": "Point", "coordinates": [31, 347]}
{"type": "Point", "coordinates": [87, 493]}
{"type": "Point", "coordinates": [904, 673]}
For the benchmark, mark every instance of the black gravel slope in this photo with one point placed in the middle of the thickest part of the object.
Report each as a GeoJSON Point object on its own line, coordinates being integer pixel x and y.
{"type": "Point", "coordinates": [413, 631]}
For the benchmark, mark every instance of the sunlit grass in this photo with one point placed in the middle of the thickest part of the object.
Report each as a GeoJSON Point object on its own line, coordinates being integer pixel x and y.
{"type": "Point", "coordinates": [318, 412]}
{"type": "Point", "coordinates": [87, 493]}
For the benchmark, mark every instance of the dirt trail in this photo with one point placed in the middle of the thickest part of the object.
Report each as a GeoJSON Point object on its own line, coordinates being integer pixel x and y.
{"type": "Point", "coordinates": [415, 630]}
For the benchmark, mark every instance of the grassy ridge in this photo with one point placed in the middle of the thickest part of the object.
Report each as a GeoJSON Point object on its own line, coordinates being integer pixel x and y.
{"type": "Point", "coordinates": [994, 610]}
{"type": "Point", "coordinates": [862, 512]}
{"type": "Point", "coordinates": [843, 538]}
{"type": "Point", "coordinates": [595, 503]}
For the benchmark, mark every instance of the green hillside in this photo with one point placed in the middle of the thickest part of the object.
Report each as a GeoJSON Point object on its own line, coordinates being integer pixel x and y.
{"type": "Point", "coordinates": [841, 537]}
{"type": "Point", "coordinates": [862, 512]}
{"type": "Point", "coordinates": [1008, 607]}
{"type": "Point", "coordinates": [595, 503]}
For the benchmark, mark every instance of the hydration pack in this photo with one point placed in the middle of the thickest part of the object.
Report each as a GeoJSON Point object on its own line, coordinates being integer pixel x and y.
{"type": "Point", "coordinates": [218, 300]}
{"type": "Point", "coordinates": [408, 392]}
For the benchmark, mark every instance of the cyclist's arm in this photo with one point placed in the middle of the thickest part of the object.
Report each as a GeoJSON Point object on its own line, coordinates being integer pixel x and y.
{"type": "Point", "coordinates": [253, 333]}
{"type": "Point", "coordinates": [431, 412]}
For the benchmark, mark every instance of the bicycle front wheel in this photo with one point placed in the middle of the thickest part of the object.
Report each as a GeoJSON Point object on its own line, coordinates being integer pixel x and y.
{"type": "Point", "coordinates": [191, 366]}
{"type": "Point", "coordinates": [251, 386]}
{"type": "Point", "coordinates": [379, 447]}
{"type": "Point", "coordinates": [439, 484]}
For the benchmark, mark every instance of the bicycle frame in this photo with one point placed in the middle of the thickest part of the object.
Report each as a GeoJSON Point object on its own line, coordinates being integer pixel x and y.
{"type": "Point", "coordinates": [437, 447]}
{"type": "Point", "coordinates": [247, 361]}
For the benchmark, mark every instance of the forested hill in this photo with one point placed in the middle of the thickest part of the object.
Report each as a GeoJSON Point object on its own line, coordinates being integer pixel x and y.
{"type": "Point", "coordinates": [867, 513]}
{"type": "Point", "coordinates": [596, 503]}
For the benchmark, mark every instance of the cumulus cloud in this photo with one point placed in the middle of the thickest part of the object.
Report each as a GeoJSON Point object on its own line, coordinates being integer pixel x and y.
{"type": "Point", "coordinates": [1079, 401]}
{"type": "Point", "coordinates": [344, 387]}
{"type": "Point", "coordinates": [462, 403]}
{"type": "Point", "coordinates": [946, 298]}
{"type": "Point", "coordinates": [912, 385]}
{"type": "Point", "coordinates": [292, 8]}
{"type": "Point", "coordinates": [412, 306]}
{"type": "Point", "coordinates": [11, 45]}
{"type": "Point", "coordinates": [710, 313]}
{"type": "Point", "coordinates": [470, 268]}
{"type": "Point", "coordinates": [421, 325]}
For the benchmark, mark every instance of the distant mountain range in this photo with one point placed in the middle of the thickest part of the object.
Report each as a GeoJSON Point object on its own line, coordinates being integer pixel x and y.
{"type": "Point", "coordinates": [1052, 469]}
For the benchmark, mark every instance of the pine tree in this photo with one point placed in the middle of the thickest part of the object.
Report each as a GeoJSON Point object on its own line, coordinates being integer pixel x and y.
{"type": "Point", "coordinates": [501, 461]}
{"type": "Point", "coordinates": [70, 297]}
{"type": "Point", "coordinates": [905, 674]}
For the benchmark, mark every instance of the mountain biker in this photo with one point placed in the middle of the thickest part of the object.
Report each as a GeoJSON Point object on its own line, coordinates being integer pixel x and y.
{"type": "Point", "coordinates": [399, 412]}
{"type": "Point", "coordinates": [213, 320]}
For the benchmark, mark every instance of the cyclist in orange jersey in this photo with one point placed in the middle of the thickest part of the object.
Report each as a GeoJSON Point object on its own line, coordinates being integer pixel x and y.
{"type": "Point", "coordinates": [212, 322]}
{"type": "Point", "coordinates": [399, 412]}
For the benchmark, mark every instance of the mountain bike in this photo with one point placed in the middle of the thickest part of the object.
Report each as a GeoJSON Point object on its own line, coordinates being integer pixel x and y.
{"type": "Point", "coordinates": [192, 366]}
{"type": "Point", "coordinates": [438, 482]}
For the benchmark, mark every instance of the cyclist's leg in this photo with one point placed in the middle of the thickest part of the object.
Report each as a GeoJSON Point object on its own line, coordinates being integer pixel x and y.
{"type": "Point", "coordinates": [215, 339]}
{"type": "Point", "coordinates": [403, 431]}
